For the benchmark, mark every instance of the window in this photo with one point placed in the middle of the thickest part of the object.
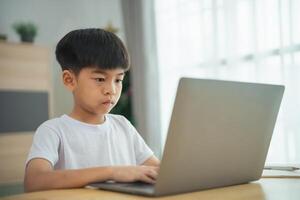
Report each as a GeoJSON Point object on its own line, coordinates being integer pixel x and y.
{"type": "Point", "coordinates": [243, 40]}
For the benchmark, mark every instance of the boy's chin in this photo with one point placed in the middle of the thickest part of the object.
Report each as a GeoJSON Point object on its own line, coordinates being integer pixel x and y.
{"type": "Point", "coordinates": [103, 111]}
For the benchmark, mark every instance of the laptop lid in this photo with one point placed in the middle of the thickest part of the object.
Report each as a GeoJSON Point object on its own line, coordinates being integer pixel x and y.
{"type": "Point", "coordinates": [219, 134]}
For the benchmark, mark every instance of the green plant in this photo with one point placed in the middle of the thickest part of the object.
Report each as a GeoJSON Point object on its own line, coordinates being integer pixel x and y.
{"type": "Point", "coordinates": [26, 31]}
{"type": "Point", "coordinates": [3, 37]}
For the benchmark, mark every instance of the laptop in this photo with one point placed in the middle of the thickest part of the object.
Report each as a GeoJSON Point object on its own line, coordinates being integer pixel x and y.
{"type": "Point", "coordinates": [219, 135]}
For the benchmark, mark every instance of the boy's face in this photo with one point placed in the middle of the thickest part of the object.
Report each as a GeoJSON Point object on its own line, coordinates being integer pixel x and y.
{"type": "Point", "coordinates": [95, 91]}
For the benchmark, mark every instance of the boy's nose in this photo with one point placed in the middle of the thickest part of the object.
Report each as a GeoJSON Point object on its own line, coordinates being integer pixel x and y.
{"type": "Point", "coordinates": [110, 89]}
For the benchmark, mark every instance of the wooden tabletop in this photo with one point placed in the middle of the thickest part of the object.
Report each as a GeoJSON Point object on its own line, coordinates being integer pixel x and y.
{"type": "Point", "coordinates": [269, 188]}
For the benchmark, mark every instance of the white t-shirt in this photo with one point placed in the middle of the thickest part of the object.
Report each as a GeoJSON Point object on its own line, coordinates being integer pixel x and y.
{"type": "Point", "coordinates": [71, 144]}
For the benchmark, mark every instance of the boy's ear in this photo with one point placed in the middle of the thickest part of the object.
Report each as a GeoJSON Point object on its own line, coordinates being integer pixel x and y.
{"type": "Point", "coordinates": [69, 79]}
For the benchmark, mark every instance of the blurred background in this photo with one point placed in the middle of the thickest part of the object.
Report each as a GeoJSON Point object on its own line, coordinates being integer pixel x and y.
{"type": "Point", "coordinates": [242, 40]}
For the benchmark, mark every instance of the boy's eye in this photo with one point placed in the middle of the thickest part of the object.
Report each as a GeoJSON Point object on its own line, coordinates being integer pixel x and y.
{"type": "Point", "coordinates": [99, 79]}
{"type": "Point", "coordinates": [119, 80]}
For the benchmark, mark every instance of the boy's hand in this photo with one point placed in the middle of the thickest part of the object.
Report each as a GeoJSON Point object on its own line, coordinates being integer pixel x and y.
{"type": "Point", "coordinates": [143, 173]}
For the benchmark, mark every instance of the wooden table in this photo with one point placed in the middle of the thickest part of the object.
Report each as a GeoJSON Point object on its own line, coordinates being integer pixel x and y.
{"type": "Point", "coordinates": [269, 188]}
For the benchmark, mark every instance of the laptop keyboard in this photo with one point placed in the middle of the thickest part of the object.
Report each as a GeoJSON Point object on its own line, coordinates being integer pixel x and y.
{"type": "Point", "coordinates": [138, 185]}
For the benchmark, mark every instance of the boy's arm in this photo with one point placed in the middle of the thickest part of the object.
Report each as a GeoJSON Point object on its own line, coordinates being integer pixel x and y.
{"type": "Point", "coordinates": [40, 175]}
{"type": "Point", "coordinates": [152, 161]}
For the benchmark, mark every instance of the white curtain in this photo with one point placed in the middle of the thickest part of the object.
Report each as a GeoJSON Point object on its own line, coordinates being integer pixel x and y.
{"type": "Point", "coordinates": [141, 42]}
{"type": "Point", "coordinates": [243, 40]}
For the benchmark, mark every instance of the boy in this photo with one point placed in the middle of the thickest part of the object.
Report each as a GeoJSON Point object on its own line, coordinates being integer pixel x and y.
{"type": "Point", "coordinates": [89, 145]}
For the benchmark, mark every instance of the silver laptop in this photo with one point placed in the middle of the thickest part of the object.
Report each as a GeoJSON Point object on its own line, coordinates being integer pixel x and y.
{"type": "Point", "coordinates": [218, 136]}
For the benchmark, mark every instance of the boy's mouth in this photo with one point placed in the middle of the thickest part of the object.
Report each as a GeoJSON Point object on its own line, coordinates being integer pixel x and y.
{"type": "Point", "coordinates": [108, 102]}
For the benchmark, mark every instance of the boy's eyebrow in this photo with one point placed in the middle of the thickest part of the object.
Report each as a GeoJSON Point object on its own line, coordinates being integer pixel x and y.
{"type": "Point", "coordinates": [97, 71]}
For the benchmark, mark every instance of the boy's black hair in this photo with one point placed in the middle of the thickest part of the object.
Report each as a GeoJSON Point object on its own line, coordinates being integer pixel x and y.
{"type": "Point", "coordinates": [93, 47]}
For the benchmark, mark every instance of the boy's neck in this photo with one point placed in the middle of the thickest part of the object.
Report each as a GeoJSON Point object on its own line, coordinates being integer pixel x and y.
{"type": "Point", "coordinates": [85, 117]}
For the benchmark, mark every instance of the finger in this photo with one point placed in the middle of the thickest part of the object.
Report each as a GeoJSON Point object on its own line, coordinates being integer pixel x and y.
{"type": "Point", "coordinates": [152, 174]}
{"type": "Point", "coordinates": [156, 168]}
{"type": "Point", "coordinates": [147, 179]}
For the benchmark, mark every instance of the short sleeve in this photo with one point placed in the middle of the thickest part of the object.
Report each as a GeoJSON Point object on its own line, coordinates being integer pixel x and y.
{"type": "Point", "coordinates": [45, 145]}
{"type": "Point", "coordinates": [141, 149]}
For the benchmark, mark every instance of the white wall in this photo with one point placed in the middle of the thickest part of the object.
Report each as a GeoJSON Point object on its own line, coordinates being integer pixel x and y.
{"type": "Point", "coordinates": [54, 19]}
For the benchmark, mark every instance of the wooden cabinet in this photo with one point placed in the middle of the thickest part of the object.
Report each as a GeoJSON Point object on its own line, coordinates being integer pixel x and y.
{"type": "Point", "coordinates": [25, 96]}
{"type": "Point", "coordinates": [24, 67]}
